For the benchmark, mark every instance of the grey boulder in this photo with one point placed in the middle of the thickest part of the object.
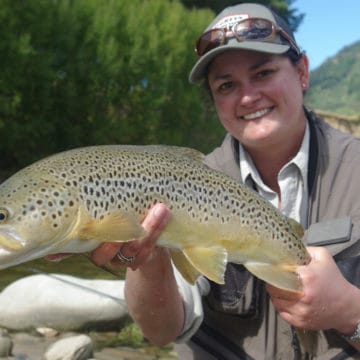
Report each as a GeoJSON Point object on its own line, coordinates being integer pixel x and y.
{"type": "Point", "coordinates": [64, 303]}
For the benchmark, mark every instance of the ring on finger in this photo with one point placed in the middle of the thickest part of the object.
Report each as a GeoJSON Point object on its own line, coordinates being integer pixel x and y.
{"type": "Point", "coordinates": [125, 259]}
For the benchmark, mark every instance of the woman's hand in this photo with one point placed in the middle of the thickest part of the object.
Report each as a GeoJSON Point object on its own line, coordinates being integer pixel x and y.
{"type": "Point", "coordinates": [327, 300]}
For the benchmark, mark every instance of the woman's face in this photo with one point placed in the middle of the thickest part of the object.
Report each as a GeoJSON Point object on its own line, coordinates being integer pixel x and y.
{"type": "Point", "coordinates": [259, 97]}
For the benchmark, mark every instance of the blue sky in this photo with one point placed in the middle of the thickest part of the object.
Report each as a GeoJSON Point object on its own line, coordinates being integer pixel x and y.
{"type": "Point", "coordinates": [328, 26]}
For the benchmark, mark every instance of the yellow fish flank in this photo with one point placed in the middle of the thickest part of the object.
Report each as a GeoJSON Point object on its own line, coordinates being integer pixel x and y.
{"type": "Point", "coordinates": [72, 201]}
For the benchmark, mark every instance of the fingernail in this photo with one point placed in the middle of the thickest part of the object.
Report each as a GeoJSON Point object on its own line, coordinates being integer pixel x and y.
{"type": "Point", "coordinates": [160, 211]}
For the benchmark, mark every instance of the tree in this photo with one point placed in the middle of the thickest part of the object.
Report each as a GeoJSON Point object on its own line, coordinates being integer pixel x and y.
{"type": "Point", "coordinates": [87, 72]}
{"type": "Point", "coordinates": [282, 7]}
{"type": "Point", "coordinates": [84, 72]}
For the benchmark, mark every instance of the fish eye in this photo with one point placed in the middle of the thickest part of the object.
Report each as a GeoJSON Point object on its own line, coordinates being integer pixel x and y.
{"type": "Point", "coordinates": [4, 215]}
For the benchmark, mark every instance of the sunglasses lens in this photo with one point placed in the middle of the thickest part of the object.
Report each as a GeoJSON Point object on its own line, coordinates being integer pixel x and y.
{"type": "Point", "coordinates": [247, 29]}
{"type": "Point", "coordinates": [209, 40]}
{"type": "Point", "coordinates": [254, 29]}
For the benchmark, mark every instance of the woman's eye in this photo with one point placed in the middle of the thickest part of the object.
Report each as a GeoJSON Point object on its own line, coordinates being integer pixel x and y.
{"type": "Point", "coordinates": [264, 73]}
{"type": "Point", "coordinates": [225, 87]}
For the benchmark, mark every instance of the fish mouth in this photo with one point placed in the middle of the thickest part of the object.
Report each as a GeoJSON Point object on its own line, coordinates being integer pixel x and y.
{"type": "Point", "coordinates": [15, 250]}
{"type": "Point", "coordinates": [10, 241]}
{"type": "Point", "coordinates": [10, 258]}
{"type": "Point", "coordinates": [257, 114]}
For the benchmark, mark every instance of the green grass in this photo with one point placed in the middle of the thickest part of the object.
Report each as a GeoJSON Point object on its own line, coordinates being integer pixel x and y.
{"type": "Point", "coordinates": [130, 336]}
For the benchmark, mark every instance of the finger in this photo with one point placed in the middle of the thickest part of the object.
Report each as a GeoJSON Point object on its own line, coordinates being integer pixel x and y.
{"type": "Point", "coordinates": [105, 252]}
{"type": "Point", "coordinates": [276, 293]}
{"type": "Point", "coordinates": [155, 221]}
{"type": "Point", "coordinates": [153, 224]}
{"type": "Point", "coordinates": [317, 254]}
{"type": "Point", "coordinates": [131, 254]}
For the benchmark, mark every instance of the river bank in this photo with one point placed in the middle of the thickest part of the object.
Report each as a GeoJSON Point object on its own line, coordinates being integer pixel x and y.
{"type": "Point", "coordinates": [31, 346]}
{"type": "Point", "coordinates": [125, 344]}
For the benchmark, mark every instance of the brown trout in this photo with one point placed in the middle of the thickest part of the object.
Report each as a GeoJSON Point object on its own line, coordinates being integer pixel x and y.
{"type": "Point", "coordinates": [74, 200]}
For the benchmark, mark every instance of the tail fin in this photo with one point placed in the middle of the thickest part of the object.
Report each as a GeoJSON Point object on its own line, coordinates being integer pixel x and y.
{"type": "Point", "coordinates": [308, 340]}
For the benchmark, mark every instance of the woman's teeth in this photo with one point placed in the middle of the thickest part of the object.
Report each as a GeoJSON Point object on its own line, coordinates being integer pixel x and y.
{"type": "Point", "coordinates": [256, 114]}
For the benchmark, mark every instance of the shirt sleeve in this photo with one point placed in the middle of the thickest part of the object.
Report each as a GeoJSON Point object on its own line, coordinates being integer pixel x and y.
{"type": "Point", "coordinates": [193, 308]}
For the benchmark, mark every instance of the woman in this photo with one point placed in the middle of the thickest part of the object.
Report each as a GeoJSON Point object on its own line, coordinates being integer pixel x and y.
{"type": "Point", "coordinates": [257, 76]}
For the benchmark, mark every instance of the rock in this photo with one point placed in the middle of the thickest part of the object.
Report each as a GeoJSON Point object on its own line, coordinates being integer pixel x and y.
{"type": "Point", "coordinates": [63, 303]}
{"type": "Point", "coordinates": [72, 348]}
{"type": "Point", "coordinates": [47, 332]}
{"type": "Point", "coordinates": [6, 344]}
{"type": "Point", "coordinates": [32, 346]}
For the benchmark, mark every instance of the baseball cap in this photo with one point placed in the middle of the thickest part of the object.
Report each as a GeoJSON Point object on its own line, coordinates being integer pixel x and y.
{"type": "Point", "coordinates": [279, 41]}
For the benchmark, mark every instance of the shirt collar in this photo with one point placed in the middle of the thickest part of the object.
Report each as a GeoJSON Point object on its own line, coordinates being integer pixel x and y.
{"type": "Point", "coordinates": [250, 175]}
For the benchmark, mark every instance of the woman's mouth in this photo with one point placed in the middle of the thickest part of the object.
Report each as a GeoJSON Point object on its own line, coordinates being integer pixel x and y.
{"type": "Point", "coordinates": [256, 114]}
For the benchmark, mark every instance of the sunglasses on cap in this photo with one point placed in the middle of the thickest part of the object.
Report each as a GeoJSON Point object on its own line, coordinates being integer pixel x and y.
{"type": "Point", "coordinates": [252, 29]}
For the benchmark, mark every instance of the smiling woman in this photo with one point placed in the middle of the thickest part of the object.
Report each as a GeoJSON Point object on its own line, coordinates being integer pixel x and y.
{"type": "Point", "coordinates": [258, 98]}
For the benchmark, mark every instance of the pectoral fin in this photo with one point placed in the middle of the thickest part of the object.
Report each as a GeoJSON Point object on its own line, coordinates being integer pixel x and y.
{"type": "Point", "coordinates": [283, 277]}
{"type": "Point", "coordinates": [209, 261]}
{"type": "Point", "coordinates": [117, 226]}
{"type": "Point", "coordinates": [186, 269]}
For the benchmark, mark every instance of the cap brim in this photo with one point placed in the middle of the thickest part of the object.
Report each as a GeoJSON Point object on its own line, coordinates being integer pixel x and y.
{"type": "Point", "coordinates": [199, 70]}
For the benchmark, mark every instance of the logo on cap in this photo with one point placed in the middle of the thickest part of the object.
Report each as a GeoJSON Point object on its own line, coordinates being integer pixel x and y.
{"type": "Point", "coordinates": [229, 21]}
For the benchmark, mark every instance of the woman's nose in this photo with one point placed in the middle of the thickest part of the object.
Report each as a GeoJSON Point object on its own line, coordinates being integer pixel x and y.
{"type": "Point", "coordinates": [248, 94]}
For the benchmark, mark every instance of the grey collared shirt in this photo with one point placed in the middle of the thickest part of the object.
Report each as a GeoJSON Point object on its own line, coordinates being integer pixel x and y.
{"type": "Point", "coordinates": [292, 180]}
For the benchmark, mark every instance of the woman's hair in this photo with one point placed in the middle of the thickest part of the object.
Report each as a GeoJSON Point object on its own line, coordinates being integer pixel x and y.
{"type": "Point", "coordinates": [293, 55]}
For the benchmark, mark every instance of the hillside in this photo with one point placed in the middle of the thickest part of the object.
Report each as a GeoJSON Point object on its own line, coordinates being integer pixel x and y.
{"type": "Point", "coordinates": [335, 85]}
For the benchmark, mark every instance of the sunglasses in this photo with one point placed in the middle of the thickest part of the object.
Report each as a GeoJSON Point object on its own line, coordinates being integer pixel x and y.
{"type": "Point", "coordinates": [253, 29]}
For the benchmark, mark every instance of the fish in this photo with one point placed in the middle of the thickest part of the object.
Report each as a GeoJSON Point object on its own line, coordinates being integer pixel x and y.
{"type": "Point", "coordinates": [74, 200]}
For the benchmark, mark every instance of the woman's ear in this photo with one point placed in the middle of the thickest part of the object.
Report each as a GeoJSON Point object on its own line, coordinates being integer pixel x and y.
{"type": "Point", "coordinates": [303, 69]}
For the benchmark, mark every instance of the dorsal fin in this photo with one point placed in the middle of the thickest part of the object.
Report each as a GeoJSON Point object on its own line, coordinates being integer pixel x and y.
{"type": "Point", "coordinates": [180, 151]}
